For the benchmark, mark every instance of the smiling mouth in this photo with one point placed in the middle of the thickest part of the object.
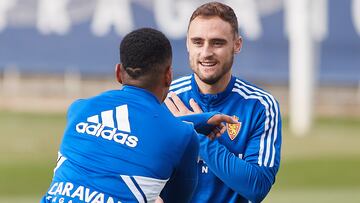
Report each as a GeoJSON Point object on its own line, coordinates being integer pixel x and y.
{"type": "Point", "coordinates": [207, 64]}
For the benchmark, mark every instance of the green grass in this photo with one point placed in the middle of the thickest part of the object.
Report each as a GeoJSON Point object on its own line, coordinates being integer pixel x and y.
{"type": "Point", "coordinates": [28, 150]}
{"type": "Point", "coordinates": [301, 195]}
{"type": "Point", "coordinates": [25, 178]}
{"type": "Point", "coordinates": [320, 167]}
{"type": "Point", "coordinates": [29, 136]}
{"type": "Point", "coordinates": [319, 174]}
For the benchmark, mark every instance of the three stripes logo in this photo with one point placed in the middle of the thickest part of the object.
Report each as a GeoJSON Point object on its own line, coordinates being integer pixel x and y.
{"type": "Point", "coordinates": [110, 125]}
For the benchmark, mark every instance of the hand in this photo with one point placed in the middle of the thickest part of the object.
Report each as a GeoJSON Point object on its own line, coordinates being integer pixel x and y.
{"type": "Point", "coordinates": [178, 108]}
{"type": "Point", "coordinates": [217, 120]}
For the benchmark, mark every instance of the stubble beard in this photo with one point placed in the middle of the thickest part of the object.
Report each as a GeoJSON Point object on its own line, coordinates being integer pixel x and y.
{"type": "Point", "coordinates": [213, 79]}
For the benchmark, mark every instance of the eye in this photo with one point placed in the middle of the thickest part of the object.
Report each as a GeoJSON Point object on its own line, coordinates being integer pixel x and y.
{"type": "Point", "coordinates": [218, 43]}
{"type": "Point", "coordinates": [197, 42]}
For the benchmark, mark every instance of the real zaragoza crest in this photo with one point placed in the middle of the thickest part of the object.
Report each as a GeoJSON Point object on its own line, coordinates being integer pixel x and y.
{"type": "Point", "coordinates": [233, 129]}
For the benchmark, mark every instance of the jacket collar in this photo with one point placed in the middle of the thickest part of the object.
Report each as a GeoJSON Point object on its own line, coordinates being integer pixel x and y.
{"type": "Point", "coordinates": [143, 93]}
{"type": "Point", "coordinates": [211, 100]}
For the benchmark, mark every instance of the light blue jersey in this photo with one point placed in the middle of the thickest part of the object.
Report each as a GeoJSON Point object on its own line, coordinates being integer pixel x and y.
{"type": "Point", "coordinates": [241, 165]}
{"type": "Point", "coordinates": [124, 146]}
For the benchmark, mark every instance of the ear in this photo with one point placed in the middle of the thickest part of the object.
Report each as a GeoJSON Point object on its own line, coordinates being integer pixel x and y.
{"type": "Point", "coordinates": [168, 76]}
{"type": "Point", "coordinates": [238, 44]}
{"type": "Point", "coordinates": [118, 70]}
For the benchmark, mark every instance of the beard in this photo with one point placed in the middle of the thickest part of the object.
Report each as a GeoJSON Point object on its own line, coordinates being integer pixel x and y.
{"type": "Point", "coordinates": [210, 80]}
{"type": "Point", "coordinates": [214, 78]}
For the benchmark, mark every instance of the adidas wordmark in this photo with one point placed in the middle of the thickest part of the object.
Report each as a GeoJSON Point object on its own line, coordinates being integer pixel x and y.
{"type": "Point", "coordinates": [108, 133]}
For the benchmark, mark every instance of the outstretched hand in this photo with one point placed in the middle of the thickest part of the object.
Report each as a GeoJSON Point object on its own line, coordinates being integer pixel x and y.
{"type": "Point", "coordinates": [178, 108]}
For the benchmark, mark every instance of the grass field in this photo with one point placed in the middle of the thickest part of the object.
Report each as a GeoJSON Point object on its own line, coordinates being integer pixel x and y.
{"type": "Point", "coordinates": [321, 167]}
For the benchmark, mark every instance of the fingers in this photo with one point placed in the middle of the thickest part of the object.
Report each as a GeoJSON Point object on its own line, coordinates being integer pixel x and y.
{"type": "Point", "coordinates": [178, 108]}
{"type": "Point", "coordinates": [211, 136]}
{"type": "Point", "coordinates": [179, 104]}
{"type": "Point", "coordinates": [216, 132]}
{"type": "Point", "coordinates": [222, 128]}
{"type": "Point", "coordinates": [228, 119]}
{"type": "Point", "coordinates": [196, 108]}
{"type": "Point", "coordinates": [219, 118]}
{"type": "Point", "coordinates": [171, 106]}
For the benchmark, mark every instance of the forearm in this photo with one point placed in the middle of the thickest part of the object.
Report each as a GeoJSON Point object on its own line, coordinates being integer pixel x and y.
{"type": "Point", "coordinates": [245, 178]}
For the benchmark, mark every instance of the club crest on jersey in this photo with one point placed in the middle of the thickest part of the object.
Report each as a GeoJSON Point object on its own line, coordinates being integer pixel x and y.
{"type": "Point", "coordinates": [233, 129]}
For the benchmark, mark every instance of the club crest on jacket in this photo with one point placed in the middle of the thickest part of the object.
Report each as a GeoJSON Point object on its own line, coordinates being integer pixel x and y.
{"type": "Point", "coordinates": [233, 129]}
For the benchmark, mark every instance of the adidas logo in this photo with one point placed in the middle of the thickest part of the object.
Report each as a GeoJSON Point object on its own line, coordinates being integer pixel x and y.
{"type": "Point", "coordinates": [110, 126]}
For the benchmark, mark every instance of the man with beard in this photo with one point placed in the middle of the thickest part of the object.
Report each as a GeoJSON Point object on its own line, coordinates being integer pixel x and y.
{"type": "Point", "coordinates": [240, 166]}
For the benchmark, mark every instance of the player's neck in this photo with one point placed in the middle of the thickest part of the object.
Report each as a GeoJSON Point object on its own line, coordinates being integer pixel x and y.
{"type": "Point", "coordinates": [216, 88]}
{"type": "Point", "coordinates": [157, 91]}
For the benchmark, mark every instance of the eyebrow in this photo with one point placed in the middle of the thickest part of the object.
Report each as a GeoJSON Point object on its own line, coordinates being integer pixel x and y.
{"type": "Point", "coordinates": [211, 40]}
{"type": "Point", "coordinates": [197, 39]}
{"type": "Point", "coordinates": [218, 40]}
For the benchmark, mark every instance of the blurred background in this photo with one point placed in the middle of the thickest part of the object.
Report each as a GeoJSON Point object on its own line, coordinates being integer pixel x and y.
{"type": "Point", "coordinates": [306, 53]}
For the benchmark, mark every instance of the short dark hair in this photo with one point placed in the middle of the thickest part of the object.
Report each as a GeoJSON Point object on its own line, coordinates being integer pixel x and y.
{"type": "Point", "coordinates": [144, 51]}
{"type": "Point", "coordinates": [223, 11]}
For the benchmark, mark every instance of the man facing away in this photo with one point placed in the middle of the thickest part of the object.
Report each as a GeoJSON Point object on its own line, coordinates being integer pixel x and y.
{"type": "Point", "coordinates": [123, 145]}
{"type": "Point", "coordinates": [241, 165]}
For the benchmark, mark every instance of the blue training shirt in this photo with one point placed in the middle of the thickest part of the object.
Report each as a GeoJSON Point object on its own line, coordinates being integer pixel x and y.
{"type": "Point", "coordinates": [241, 165]}
{"type": "Point", "coordinates": [124, 146]}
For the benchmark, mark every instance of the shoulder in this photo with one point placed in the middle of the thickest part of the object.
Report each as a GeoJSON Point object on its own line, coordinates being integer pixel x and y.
{"type": "Point", "coordinates": [76, 106]}
{"type": "Point", "coordinates": [181, 85]}
{"type": "Point", "coordinates": [251, 92]}
{"type": "Point", "coordinates": [96, 98]}
{"type": "Point", "coordinates": [91, 104]}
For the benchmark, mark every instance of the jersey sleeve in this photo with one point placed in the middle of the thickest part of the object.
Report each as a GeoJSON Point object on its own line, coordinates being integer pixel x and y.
{"type": "Point", "coordinates": [183, 181]}
{"type": "Point", "coordinates": [200, 121]}
{"type": "Point", "coordinates": [246, 176]}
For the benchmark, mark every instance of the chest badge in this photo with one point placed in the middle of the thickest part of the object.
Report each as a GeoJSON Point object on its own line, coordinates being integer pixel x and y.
{"type": "Point", "coordinates": [233, 129]}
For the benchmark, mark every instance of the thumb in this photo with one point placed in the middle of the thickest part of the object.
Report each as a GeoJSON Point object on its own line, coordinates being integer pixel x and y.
{"type": "Point", "coordinates": [229, 119]}
{"type": "Point", "coordinates": [219, 118]}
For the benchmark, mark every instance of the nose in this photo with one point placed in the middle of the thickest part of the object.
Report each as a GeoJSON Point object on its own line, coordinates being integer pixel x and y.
{"type": "Point", "coordinates": [206, 51]}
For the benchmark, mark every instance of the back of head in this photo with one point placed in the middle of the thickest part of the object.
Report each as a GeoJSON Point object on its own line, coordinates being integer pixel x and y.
{"type": "Point", "coordinates": [220, 10]}
{"type": "Point", "coordinates": [145, 52]}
